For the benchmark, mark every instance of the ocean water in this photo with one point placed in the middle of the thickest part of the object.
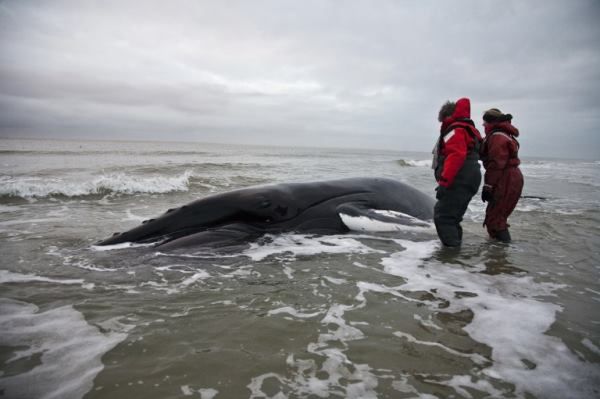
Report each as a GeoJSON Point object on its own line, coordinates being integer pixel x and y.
{"type": "Point", "coordinates": [375, 313]}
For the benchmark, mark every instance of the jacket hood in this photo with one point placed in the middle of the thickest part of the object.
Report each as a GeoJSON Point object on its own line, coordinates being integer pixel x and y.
{"type": "Point", "coordinates": [463, 109]}
{"type": "Point", "coordinates": [504, 126]}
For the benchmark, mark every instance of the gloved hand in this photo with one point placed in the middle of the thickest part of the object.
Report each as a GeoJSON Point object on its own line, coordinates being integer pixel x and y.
{"type": "Point", "coordinates": [440, 191]}
{"type": "Point", "coordinates": [487, 194]}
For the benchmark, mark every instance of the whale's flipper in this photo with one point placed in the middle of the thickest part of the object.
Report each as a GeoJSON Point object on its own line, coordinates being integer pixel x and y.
{"type": "Point", "coordinates": [380, 220]}
{"type": "Point", "coordinates": [222, 236]}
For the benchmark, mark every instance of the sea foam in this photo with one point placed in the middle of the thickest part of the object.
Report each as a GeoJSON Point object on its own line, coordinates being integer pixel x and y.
{"type": "Point", "coordinates": [60, 337]}
{"type": "Point", "coordinates": [508, 317]}
{"type": "Point", "coordinates": [11, 277]}
{"type": "Point", "coordinates": [299, 245]}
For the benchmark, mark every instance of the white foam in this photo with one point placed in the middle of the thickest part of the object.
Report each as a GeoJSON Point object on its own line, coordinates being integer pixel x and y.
{"type": "Point", "coordinates": [474, 357]}
{"type": "Point", "coordinates": [336, 281]}
{"type": "Point", "coordinates": [508, 317]}
{"type": "Point", "coordinates": [186, 390]}
{"type": "Point", "coordinates": [291, 311]}
{"type": "Point", "coordinates": [344, 332]}
{"type": "Point", "coordinates": [403, 386]}
{"type": "Point", "coordinates": [427, 323]}
{"type": "Point", "coordinates": [84, 264]}
{"type": "Point", "coordinates": [201, 275]}
{"type": "Point", "coordinates": [411, 257]}
{"type": "Point", "coordinates": [207, 393]}
{"type": "Point", "coordinates": [459, 382]}
{"type": "Point", "coordinates": [226, 302]}
{"type": "Point", "coordinates": [289, 272]}
{"type": "Point", "coordinates": [302, 245]}
{"type": "Point", "coordinates": [346, 378]}
{"type": "Point", "coordinates": [122, 245]}
{"type": "Point", "coordinates": [180, 268]}
{"type": "Point", "coordinates": [419, 162]}
{"type": "Point", "coordinates": [590, 345]}
{"type": "Point", "coordinates": [170, 288]}
{"type": "Point", "coordinates": [364, 287]}
{"type": "Point", "coordinates": [11, 277]}
{"type": "Point", "coordinates": [115, 324]}
{"type": "Point", "coordinates": [186, 311]}
{"type": "Point", "coordinates": [70, 350]}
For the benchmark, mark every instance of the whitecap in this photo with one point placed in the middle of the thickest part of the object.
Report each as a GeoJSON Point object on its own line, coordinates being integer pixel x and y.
{"type": "Point", "coordinates": [120, 183]}
{"type": "Point", "coordinates": [414, 162]}
{"type": "Point", "coordinates": [419, 162]}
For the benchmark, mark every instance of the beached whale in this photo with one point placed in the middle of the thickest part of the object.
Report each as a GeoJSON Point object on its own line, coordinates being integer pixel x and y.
{"type": "Point", "coordinates": [244, 214]}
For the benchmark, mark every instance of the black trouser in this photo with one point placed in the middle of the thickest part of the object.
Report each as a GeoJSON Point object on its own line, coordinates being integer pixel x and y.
{"type": "Point", "coordinates": [450, 209]}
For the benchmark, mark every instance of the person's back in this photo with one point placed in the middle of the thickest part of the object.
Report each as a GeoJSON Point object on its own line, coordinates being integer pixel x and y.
{"type": "Point", "coordinates": [457, 171]}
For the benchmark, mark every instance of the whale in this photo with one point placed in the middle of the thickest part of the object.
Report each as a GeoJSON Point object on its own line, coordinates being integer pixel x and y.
{"type": "Point", "coordinates": [245, 214]}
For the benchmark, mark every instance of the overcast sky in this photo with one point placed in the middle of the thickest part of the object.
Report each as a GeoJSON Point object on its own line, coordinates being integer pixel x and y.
{"type": "Point", "coordinates": [368, 74]}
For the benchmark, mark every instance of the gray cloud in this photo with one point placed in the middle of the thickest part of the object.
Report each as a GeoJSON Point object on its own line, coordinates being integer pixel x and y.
{"type": "Point", "coordinates": [299, 73]}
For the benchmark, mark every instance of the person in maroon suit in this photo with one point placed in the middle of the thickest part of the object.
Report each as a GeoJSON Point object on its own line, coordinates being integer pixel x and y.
{"type": "Point", "coordinates": [503, 180]}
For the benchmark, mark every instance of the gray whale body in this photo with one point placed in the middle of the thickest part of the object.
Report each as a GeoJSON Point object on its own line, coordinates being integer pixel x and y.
{"type": "Point", "coordinates": [245, 214]}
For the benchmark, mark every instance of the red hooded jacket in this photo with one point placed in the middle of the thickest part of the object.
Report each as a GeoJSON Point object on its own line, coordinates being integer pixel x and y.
{"type": "Point", "coordinates": [457, 143]}
{"type": "Point", "coordinates": [500, 150]}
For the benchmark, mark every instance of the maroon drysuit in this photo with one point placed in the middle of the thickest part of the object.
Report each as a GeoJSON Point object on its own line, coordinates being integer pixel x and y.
{"type": "Point", "coordinates": [500, 156]}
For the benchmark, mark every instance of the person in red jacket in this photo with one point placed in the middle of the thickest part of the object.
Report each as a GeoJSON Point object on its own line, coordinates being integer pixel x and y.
{"type": "Point", "coordinates": [456, 168]}
{"type": "Point", "coordinates": [503, 182]}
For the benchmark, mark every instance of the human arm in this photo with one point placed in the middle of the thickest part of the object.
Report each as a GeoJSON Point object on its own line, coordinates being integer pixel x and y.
{"type": "Point", "coordinates": [498, 154]}
{"type": "Point", "coordinates": [455, 150]}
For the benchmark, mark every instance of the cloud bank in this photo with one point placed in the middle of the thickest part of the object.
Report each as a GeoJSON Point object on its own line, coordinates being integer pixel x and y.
{"type": "Point", "coordinates": [311, 73]}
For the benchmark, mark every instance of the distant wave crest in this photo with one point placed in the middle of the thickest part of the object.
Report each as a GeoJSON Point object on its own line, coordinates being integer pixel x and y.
{"type": "Point", "coordinates": [117, 183]}
{"type": "Point", "coordinates": [88, 152]}
{"type": "Point", "coordinates": [413, 162]}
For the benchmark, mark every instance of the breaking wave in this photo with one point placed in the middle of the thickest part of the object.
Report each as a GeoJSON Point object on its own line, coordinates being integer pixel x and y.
{"type": "Point", "coordinates": [80, 152]}
{"type": "Point", "coordinates": [117, 183]}
{"type": "Point", "coordinates": [413, 162]}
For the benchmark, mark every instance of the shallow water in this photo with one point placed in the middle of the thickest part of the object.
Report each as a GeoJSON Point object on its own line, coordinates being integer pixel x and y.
{"type": "Point", "coordinates": [366, 314]}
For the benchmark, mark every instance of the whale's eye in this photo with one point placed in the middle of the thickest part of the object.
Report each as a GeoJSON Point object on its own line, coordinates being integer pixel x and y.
{"type": "Point", "coordinates": [264, 204]}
